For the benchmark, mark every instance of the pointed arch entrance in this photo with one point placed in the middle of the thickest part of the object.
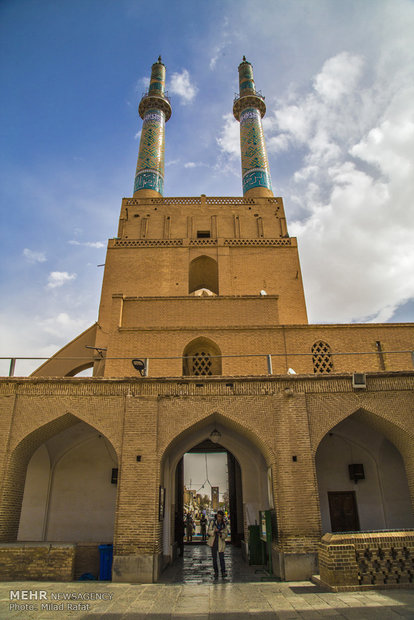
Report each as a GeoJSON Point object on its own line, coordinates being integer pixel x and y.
{"type": "Point", "coordinates": [226, 494]}
{"type": "Point", "coordinates": [250, 480]}
{"type": "Point", "coordinates": [362, 477]}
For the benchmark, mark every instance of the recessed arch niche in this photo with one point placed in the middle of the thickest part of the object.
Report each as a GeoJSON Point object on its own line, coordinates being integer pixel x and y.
{"type": "Point", "coordinates": [202, 357]}
{"type": "Point", "coordinates": [203, 274]}
{"type": "Point", "coordinates": [68, 495]}
{"type": "Point", "coordinates": [379, 501]}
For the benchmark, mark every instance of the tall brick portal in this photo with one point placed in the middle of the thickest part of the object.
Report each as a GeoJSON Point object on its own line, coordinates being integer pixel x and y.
{"type": "Point", "coordinates": [206, 295]}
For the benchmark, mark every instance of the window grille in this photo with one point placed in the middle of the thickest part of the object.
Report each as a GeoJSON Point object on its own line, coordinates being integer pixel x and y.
{"type": "Point", "coordinates": [201, 363]}
{"type": "Point", "coordinates": [322, 358]}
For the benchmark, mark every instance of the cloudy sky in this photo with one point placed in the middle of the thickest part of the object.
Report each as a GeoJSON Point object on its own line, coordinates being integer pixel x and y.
{"type": "Point", "coordinates": [338, 81]}
{"type": "Point", "coordinates": [206, 470]}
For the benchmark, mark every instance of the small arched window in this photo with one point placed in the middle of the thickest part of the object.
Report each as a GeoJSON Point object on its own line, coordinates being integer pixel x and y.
{"type": "Point", "coordinates": [203, 274]}
{"type": "Point", "coordinates": [201, 357]}
{"type": "Point", "coordinates": [322, 358]}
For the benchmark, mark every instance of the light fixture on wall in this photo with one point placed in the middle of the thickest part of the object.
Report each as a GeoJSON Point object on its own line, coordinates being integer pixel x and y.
{"type": "Point", "coordinates": [215, 436]}
{"type": "Point", "coordinates": [141, 365]}
{"type": "Point", "coordinates": [356, 472]}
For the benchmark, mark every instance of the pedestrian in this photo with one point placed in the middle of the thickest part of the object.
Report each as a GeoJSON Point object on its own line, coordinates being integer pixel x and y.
{"type": "Point", "coordinates": [189, 527]}
{"type": "Point", "coordinates": [179, 532]}
{"type": "Point", "coordinates": [217, 532]}
{"type": "Point", "coordinates": [203, 527]}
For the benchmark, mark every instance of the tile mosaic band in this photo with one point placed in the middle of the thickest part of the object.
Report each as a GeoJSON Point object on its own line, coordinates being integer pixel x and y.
{"type": "Point", "coordinates": [150, 164]}
{"type": "Point", "coordinates": [255, 166]}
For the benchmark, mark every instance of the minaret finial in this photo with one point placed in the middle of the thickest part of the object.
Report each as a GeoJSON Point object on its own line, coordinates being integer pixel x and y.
{"type": "Point", "coordinates": [155, 110]}
{"type": "Point", "coordinates": [249, 108]}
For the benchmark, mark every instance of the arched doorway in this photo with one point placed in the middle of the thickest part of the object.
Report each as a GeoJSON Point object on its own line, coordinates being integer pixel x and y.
{"type": "Point", "coordinates": [250, 483]}
{"type": "Point", "coordinates": [361, 478]}
{"type": "Point", "coordinates": [219, 486]}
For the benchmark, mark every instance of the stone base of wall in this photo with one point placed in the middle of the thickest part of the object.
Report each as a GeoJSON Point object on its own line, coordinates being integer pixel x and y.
{"type": "Point", "coordinates": [139, 568]}
{"type": "Point", "coordinates": [367, 560]}
{"type": "Point", "coordinates": [37, 561]}
{"type": "Point", "coordinates": [316, 579]}
{"type": "Point", "coordinates": [294, 566]}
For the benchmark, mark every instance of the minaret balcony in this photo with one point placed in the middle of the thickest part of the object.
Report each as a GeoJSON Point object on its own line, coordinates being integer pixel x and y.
{"type": "Point", "coordinates": [252, 100]}
{"type": "Point", "coordinates": [160, 102]}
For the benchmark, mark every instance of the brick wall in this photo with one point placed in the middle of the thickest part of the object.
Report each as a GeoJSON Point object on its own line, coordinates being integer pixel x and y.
{"type": "Point", "coordinates": [37, 561]}
{"type": "Point", "coordinates": [284, 417]}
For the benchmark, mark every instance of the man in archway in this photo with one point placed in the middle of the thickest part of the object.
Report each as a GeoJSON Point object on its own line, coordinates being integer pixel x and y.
{"type": "Point", "coordinates": [217, 532]}
{"type": "Point", "coordinates": [189, 527]}
{"type": "Point", "coordinates": [203, 527]}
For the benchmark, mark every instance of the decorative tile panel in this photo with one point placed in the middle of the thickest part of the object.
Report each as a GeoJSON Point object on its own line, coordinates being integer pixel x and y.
{"type": "Point", "coordinates": [150, 165]}
{"type": "Point", "coordinates": [255, 167]}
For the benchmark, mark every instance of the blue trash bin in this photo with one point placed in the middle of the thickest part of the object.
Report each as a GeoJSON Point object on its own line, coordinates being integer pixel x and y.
{"type": "Point", "coordinates": [105, 565]}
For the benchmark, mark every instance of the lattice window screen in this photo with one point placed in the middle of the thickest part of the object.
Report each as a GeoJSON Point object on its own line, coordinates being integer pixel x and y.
{"type": "Point", "coordinates": [322, 357]}
{"type": "Point", "coordinates": [201, 363]}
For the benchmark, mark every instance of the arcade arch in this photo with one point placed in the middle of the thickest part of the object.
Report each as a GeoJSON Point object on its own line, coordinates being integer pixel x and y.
{"type": "Point", "coordinates": [59, 486]}
{"type": "Point", "coordinates": [254, 492]}
{"type": "Point", "coordinates": [381, 500]}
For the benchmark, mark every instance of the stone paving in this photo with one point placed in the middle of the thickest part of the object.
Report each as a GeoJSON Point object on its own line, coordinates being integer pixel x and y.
{"type": "Point", "coordinates": [186, 591]}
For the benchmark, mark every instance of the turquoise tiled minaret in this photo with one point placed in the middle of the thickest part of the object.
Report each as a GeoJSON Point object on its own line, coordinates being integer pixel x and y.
{"type": "Point", "coordinates": [249, 108]}
{"type": "Point", "coordinates": [155, 110]}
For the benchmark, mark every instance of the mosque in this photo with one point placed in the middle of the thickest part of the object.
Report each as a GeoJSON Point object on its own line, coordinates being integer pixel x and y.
{"type": "Point", "coordinates": [202, 342]}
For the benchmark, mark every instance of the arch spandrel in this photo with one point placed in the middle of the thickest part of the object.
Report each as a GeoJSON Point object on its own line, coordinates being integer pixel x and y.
{"type": "Point", "coordinates": [184, 438]}
{"type": "Point", "coordinates": [35, 438]}
{"type": "Point", "coordinates": [324, 415]}
{"type": "Point", "coordinates": [396, 432]}
{"type": "Point", "coordinates": [33, 418]}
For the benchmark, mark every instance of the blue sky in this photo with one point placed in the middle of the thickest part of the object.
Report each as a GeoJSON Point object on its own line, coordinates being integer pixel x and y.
{"type": "Point", "coordinates": [338, 81]}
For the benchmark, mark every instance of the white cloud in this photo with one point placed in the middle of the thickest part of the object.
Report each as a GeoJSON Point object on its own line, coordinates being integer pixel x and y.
{"type": "Point", "coordinates": [34, 257]}
{"type": "Point", "coordinates": [195, 164]}
{"type": "Point", "coordinates": [223, 40]}
{"type": "Point", "coordinates": [355, 183]}
{"type": "Point", "coordinates": [180, 84]}
{"type": "Point", "coordinates": [339, 76]}
{"type": "Point", "coordinates": [142, 85]}
{"type": "Point", "coordinates": [62, 325]}
{"type": "Point", "coordinates": [229, 140]}
{"type": "Point", "coordinates": [59, 278]}
{"type": "Point", "coordinates": [88, 244]}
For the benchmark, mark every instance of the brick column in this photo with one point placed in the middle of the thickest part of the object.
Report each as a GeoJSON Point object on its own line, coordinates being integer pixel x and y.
{"type": "Point", "coordinates": [137, 529]}
{"type": "Point", "coordinates": [295, 491]}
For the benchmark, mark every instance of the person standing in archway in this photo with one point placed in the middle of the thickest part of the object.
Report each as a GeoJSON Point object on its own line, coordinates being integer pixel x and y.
{"type": "Point", "coordinates": [203, 527]}
{"type": "Point", "coordinates": [217, 532]}
{"type": "Point", "coordinates": [189, 526]}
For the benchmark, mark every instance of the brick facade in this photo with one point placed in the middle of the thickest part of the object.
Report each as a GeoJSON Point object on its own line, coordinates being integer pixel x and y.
{"type": "Point", "coordinates": [282, 416]}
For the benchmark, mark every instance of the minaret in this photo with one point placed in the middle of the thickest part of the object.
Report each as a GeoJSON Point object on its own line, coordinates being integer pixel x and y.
{"type": "Point", "coordinates": [249, 108]}
{"type": "Point", "coordinates": [155, 110]}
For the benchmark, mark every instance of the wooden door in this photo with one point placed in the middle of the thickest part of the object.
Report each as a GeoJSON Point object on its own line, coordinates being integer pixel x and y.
{"type": "Point", "coordinates": [343, 511]}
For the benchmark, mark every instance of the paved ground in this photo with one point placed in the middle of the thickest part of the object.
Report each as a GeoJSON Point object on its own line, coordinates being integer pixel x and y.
{"type": "Point", "coordinates": [188, 592]}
